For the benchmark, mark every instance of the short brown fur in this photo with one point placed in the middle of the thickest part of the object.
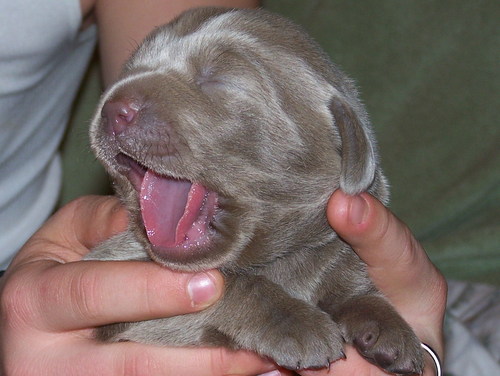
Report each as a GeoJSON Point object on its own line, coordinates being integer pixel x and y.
{"type": "Point", "coordinates": [245, 103]}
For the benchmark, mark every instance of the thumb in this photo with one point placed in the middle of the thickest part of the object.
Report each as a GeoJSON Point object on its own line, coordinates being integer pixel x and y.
{"type": "Point", "coordinates": [76, 228]}
{"type": "Point", "coordinates": [397, 263]}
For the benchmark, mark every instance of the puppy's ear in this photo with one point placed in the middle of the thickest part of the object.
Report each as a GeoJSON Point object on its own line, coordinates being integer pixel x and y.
{"type": "Point", "coordinates": [357, 149]}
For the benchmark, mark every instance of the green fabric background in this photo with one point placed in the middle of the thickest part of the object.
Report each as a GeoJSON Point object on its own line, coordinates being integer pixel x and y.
{"type": "Point", "coordinates": [428, 72]}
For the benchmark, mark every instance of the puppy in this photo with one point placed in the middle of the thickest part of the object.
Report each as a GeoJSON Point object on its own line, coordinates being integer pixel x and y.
{"type": "Point", "coordinates": [225, 136]}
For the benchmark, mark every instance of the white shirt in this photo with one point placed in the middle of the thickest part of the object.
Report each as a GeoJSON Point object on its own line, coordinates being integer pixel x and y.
{"type": "Point", "coordinates": [43, 57]}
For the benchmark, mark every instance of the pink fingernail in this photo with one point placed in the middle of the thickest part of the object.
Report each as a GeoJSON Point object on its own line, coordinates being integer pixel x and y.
{"type": "Point", "coordinates": [202, 290]}
{"type": "Point", "coordinates": [272, 373]}
{"type": "Point", "coordinates": [358, 210]}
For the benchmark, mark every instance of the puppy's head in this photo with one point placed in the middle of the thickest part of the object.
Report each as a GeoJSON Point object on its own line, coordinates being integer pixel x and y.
{"type": "Point", "coordinates": [225, 136]}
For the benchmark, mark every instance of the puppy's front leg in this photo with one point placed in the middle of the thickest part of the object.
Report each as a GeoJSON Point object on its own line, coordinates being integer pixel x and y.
{"type": "Point", "coordinates": [259, 315]}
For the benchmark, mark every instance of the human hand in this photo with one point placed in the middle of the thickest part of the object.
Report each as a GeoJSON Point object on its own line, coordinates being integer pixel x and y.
{"type": "Point", "coordinates": [50, 301]}
{"type": "Point", "coordinates": [400, 268]}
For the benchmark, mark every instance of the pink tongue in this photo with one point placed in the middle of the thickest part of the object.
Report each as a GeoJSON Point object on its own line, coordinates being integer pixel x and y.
{"type": "Point", "coordinates": [169, 208]}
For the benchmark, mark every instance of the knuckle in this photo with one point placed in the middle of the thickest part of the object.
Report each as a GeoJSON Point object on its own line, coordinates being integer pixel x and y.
{"type": "Point", "coordinates": [17, 311]}
{"type": "Point", "coordinates": [153, 294]}
{"type": "Point", "coordinates": [411, 247]}
{"type": "Point", "coordinates": [105, 204]}
{"type": "Point", "coordinates": [34, 300]}
{"type": "Point", "coordinates": [139, 362]}
{"type": "Point", "coordinates": [151, 303]}
{"type": "Point", "coordinates": [92, 205]}
{"type": "Point", "coordinates": [76, 204]}
{"type": "Point", "coordinates": [16, 304]}
{"type": "Point", "coordinates": [400, 236]}
{"type": "Point", "coordinates": [385, 223]}
{"type": "Point", "coordinates": [85, 295]}
{"type": "Point", "coordinates": [219, 361]}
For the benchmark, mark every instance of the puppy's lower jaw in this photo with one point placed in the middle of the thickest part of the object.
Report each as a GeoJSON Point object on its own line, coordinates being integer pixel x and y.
{"type": "Point", "coordinates": [176, 213]}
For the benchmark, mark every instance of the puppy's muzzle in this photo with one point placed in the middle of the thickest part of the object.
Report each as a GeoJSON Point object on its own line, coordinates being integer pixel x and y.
{"type": "Point", "coordinates": [119, 115]}
{"type": "Point", "coordinates": [176, 213]}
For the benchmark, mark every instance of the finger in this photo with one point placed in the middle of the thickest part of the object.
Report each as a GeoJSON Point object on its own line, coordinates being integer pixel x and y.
{"type": "Point", "coordinates": [396, 262]}
{"type": "Point", "coordinates": [353, 365]}
{"type": "Point", "coordinates": [58, 297]}
{"type": "Point", "coordinates": [279, 372]}
{"type": "Point", "coordinates": [356, 365]}
{"type": "Point", "coordinates": [137, 359]}
{"type": "Point", "coordinates": [93, 219]}
{"type": "Point", "coordinates": [74, 229]}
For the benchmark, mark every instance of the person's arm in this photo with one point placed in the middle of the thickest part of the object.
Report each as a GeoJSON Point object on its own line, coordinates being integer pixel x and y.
{"type": "Point", "coordinates": [123, 25]}
{"type": "Point", "coordinates": [400, 268]}
{"type": "Point", "coordinates": [50, 301]}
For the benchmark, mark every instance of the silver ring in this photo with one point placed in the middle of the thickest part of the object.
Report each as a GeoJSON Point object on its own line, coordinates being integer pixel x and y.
{"type": "Point", "coordinates": [435, 358]}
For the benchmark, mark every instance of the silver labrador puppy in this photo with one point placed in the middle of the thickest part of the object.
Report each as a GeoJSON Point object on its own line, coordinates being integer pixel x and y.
{"type": "Point", "coordinates": [225, 136]}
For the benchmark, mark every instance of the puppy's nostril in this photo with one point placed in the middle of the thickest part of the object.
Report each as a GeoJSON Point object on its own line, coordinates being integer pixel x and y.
{"type": "Point", "coordinates": [119, 115]}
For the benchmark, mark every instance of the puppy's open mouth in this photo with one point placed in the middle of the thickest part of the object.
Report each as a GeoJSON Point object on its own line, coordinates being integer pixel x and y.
{"type": "Point", "coordinates": [176, 213]}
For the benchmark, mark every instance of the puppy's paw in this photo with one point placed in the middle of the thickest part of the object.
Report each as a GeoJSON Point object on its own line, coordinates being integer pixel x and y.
{"type": "Point", "coordinates": [382, 337]}
{"type": "Point", "coordinates": [295, 342]}
{"type": "Point", "coordinates": [392, 347]}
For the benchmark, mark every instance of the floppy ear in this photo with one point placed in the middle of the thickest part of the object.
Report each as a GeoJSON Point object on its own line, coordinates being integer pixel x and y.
{"type": "Point", "coordinates": [357, 149]}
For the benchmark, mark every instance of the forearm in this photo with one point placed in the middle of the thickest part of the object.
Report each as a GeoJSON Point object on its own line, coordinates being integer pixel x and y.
{"type": "Point", "coordinates": [122, 28]}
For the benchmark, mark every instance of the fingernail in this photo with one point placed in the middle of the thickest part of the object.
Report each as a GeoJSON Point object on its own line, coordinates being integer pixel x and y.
{"type": "Point", "coordinates": [272, 373]}
{"type": "Point", "coordinates": [358, 210]}
{"type": "Point", "coordinates": [202, 290]}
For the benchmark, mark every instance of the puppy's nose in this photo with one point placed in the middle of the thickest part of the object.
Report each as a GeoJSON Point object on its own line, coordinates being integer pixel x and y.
{"type": "Point", "coordinates": [119, 115]}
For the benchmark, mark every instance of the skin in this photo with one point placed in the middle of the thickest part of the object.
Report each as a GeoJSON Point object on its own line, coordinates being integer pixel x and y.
{"type": "Point", "coordinates": [122, 28]}
{"type": "Point", "coordinates": [400, 268]}
{"type": "Point", "coordinates": [50, 300]}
